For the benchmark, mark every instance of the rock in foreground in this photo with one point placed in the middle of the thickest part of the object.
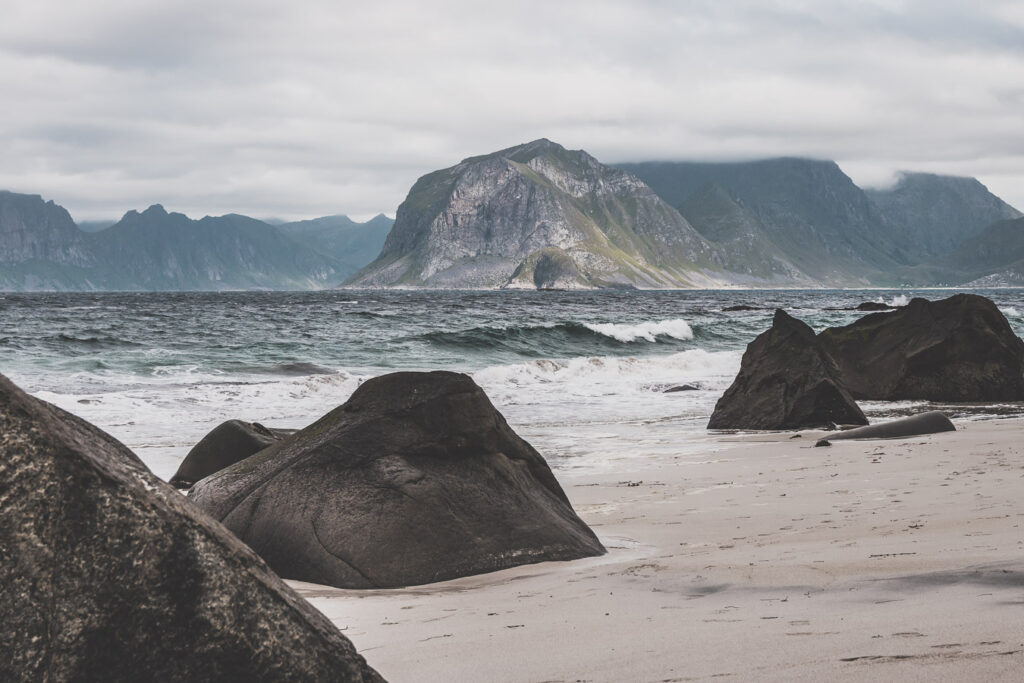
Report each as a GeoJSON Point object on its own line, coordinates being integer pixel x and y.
{"type": "Point", "coordinates": [958, 349]}
{"type": "Point", "coordinates": [786, 381]}
{"type": "Point", "coordinates": [225, 445]}
{"type": "Point", "coordinates": [108, 574]}
{"type": "Point", "coordinates": [415, 479]}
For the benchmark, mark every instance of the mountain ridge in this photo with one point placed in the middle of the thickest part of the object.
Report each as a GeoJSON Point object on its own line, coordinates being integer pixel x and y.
{"type": "Point", "coordinates": [485, 221]}
{"type": "Point", "coordinates": [42, 249]}
{"type": "Point", "coordinates": [538, 215]}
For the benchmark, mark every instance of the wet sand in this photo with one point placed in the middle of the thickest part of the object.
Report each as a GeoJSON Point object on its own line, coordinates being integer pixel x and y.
{"type": "Point", "coordinates": [768, 560]}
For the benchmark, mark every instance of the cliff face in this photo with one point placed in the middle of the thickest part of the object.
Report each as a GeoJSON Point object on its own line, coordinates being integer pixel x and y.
{"type": "Point", "coordinates": [491, 220]}
{"type": "Point", "coordinates": [808, 211]}
{"type": "Point", "coordinates": [31, 229]}
{"type": "Point", "coordinates": [936, 213]}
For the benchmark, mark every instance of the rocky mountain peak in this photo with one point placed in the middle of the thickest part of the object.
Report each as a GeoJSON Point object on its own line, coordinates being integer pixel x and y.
{"type": "Point", "coordinates": [38, 231]}
{"type": "Point", "coordinates": [477, 223]}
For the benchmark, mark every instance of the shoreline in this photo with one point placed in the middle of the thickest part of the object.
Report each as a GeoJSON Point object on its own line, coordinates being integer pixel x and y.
{"type": "Point", "coordinates": [769, 560]}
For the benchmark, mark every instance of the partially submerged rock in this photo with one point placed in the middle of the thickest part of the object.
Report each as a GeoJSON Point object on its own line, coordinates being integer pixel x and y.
{"type": "Point", "coordinates": [865, 306]}
{"type": "Point", "coordinates": [786, 381]}
{"type": "Point", "coordinates": [931, 422]}
{"type": "Point", "coordinates": [225, 445]}
{"type": "Point", "coordinates": [109, 574]}
{"type": "Point", "coordinates": [874, 306]}
{"type": "Point", "coordinates": [417, 478]}
{"type": "Point", "coordinates": [958, 349]}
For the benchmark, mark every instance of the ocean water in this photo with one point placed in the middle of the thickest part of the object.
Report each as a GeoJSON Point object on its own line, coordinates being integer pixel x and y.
{"type": "Point", "coordinates": [581, 375]}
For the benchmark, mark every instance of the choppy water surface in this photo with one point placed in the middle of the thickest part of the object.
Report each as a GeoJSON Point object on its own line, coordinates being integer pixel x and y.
{"type": "Point", "coordinates": [580, 374]}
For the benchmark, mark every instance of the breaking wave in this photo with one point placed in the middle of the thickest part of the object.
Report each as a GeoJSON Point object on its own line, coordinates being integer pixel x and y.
{"type": "Point", "coordinates": [561, 339]}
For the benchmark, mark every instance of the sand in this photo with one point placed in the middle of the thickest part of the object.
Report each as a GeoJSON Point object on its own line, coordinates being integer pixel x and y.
{"type": "Point", "coordinates": [767, 559]}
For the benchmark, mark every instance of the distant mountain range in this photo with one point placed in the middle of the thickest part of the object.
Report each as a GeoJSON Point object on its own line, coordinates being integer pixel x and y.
{"type": "Point", "coordinates": [41, 248]}
{"type": "Point", "coordinates": [540, 216]}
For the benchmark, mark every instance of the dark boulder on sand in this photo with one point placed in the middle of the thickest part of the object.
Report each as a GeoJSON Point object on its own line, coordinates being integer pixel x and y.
{"type": "Point", "coordinates": [786, 381]}
{"type": "Point", "coordinates": [225, 445]}
{"type": "Point", "coordinates": [109, 574]}
{"type": "Point", "coordinates": [416, 478]}
{"type": "Point", "coordinates": [931, 422]}
{"type": "Point", "coordinates": [957, 349]}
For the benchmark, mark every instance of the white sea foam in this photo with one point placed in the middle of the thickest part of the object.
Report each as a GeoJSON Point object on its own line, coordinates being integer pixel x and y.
{"type": "Point", "coordinates": [899, 300]}
{"type": "Point", "coordinates": [649, 331]}
{"type": "Point", "coordinates": [590, 412]}
{"type": "Point", "coordinates": [1009, 310]}
{"type": "Point", "coordinates": [161, 419]}
{"type": "Point", "coordinates": [582, 390]}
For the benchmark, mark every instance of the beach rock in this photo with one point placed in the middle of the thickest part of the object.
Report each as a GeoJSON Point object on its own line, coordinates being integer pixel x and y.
{"type": "Point", "coordinates": [109, 574]}
{"type": "Point", "coordinates": [931, 422]}
{"type": "Point", "coordinates": [957, 349]}
{"type": "Point", "coordinates": [741, 307]}
{"type": "Point", "coordinates": [225, 445]}
{"type": "Point", "coordinates": [415, 479]}
{"type": "Point", "coordinates": [681, 387]}
{"type": "Point", "coordinates": [786, 381]}
{"type": "Point", "coordinates": [873, 306]}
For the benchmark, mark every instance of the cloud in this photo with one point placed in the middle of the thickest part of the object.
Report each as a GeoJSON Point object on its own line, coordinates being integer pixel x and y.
{"type": "Point", "coordinates": [317, 107]}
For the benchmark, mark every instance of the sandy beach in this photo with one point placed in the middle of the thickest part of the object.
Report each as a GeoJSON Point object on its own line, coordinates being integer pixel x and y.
{"type": "Point", "coordinates": [767, 559]}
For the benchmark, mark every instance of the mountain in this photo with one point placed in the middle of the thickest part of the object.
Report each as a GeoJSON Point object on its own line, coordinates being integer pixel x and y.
{"type": "Point", "coordinates": [40, 246]}
{"type": "Point", "coordinates": [157, 250]}
{"type": "Point", "coordinates": [724, 220]}
{"type": "Point", "coordinates": [807, 210]}
{"type": "Point", "coordinates": [994, 257]}
{"type": "Point", "coordinates": [42, 249]}
{"type": "Point", "coordinates": [936, 213]}
{"type": "Point", "coordinates": [351, 244]}
{"type": "Point", "coordinates": [539, 215]}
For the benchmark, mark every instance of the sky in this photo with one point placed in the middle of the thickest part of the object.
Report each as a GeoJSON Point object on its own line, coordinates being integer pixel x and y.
{"type": "Point", "coordinates": [310, 108]}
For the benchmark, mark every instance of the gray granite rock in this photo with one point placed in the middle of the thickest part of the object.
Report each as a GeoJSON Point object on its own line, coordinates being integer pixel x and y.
{"type": "Point", "coordinates": [786, 381]}
{"type": "Point", "coordinates": [226, 444]}
{"type": "Point", "coordinates": [957, 349]}
{"type": "Point", "coordinates": [415, 479]}
{"type": "Point", "coordinates": [109, 574]}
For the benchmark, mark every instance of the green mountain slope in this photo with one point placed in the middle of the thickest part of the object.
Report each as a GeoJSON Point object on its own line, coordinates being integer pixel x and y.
{"type": "Point", "coordinates": [935, 213]}
{"type": "Point", "coordinates": [808, 210]}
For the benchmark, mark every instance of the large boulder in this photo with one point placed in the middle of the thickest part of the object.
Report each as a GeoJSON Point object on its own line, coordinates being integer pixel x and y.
{"type": "Point", "coordinates": [109, 574]}
{"type": "Point", "coordinates": [416, 478]}
{"type": "Point", "coordinates": [786, 381]}
{"type": "Point", "coordinates": [225, 445]}
{"type": "Point", "coordinates": [957, 349]}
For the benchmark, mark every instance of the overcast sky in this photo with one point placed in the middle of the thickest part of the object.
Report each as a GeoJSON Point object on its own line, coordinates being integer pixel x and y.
{"type": "Point", "coordinates": [309, 108]}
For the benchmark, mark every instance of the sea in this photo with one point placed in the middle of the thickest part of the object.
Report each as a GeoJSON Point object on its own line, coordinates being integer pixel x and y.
{"type": "Point", "coordinates": [583, 376]}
